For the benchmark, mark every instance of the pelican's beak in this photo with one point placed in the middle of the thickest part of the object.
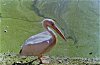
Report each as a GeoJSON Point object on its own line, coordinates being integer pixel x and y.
{"type": "Point", "coordinates": [59, 32]}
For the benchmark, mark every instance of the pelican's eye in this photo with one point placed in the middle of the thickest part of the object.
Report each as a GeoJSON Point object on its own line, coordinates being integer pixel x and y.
{"type": "Point", "coordinates": [52, 24]}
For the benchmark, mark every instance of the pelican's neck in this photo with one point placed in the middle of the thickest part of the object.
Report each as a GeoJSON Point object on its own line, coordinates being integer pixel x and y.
{"type": "Point", "coordinates": [46, 26]}
{"type": "Point", "coordinates": [51, 32]}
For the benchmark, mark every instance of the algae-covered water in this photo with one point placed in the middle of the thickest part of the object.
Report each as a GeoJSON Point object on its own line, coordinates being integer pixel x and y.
{"type": "Point", "coordinates": [78, 20]}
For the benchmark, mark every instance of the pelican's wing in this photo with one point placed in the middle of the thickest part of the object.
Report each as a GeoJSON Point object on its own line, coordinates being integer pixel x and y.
{"type": "Point", "coordinates": [41, 37]}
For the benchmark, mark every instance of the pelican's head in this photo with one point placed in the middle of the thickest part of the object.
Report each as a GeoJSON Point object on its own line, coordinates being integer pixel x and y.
{"type": "Point", "coordinates": [51, 24]}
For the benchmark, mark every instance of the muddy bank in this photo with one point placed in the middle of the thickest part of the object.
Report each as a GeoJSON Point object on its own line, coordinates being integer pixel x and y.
{"type": "Point", "coordinates": [15, 59]}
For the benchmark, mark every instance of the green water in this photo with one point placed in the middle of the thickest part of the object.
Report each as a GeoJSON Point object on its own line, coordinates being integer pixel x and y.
{"type": "Point", "coordinates": [78, 20]}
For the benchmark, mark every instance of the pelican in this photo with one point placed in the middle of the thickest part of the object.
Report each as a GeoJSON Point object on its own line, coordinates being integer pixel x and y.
{"type": "Point", "coordinates": [41, 43]}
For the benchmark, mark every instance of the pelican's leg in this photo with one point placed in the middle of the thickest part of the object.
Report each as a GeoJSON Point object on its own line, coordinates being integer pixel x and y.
{"type": "Point", "coordinates": [39, 57]}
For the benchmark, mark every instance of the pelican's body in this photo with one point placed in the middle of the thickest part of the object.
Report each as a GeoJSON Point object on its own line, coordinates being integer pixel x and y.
{"type": "Point", "coordinates": [39, 44]}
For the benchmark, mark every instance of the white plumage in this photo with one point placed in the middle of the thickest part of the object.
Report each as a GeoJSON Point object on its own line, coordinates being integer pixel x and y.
{"type": "Point", "coordinates": [41, 37]}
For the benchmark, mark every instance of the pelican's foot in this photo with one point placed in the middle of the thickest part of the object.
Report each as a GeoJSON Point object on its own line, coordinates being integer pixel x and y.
{"type": "Point", "coordinates": [45, 60]}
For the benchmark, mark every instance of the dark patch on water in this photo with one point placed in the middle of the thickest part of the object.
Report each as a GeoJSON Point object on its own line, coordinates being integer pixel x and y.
{"type": "Point", "coordinates": [90, 53]}
{"type": "Point", "coordinates": [0, 15]}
